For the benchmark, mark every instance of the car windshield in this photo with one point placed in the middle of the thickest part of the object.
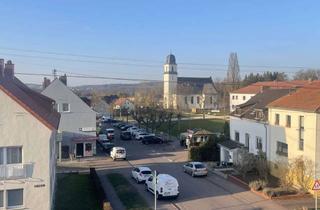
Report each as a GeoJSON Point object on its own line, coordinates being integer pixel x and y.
{"type": "Point", "coordinates": [199, 166]}
{"type": "Point", "coordinates": [146, 172]}
{"type": "Point", "coordinates": [110, 131]}
{"type": "Point", "coordinates": [120, 151]}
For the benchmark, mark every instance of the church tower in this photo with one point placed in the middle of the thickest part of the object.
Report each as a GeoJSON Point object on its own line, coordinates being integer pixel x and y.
{"type": "Point", "coordinates": [170, 83]}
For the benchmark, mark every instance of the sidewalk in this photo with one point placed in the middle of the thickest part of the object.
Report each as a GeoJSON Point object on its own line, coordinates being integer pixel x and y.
{"type": "Point", "coordinates": [109, 191]}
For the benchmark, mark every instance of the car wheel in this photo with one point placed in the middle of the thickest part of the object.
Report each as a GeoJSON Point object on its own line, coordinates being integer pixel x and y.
{"type": "Point", "coordinates": [146, 187]}
{"type": "Point", "coordinates": [158, 196]}
{"type": "Point", "coordinates": [137, 180]}
{"type": "Point", "coordinates": [193, 175]}
{"type": "Point", "coordinates": [184, 170]}
{"type": "Point", "coordinates": [161, 142]}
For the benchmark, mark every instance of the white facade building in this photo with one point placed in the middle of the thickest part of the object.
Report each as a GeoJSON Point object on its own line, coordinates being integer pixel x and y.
{"type": "Point", "coordinates": [28, 126]}
{"type": "Point", "coordinates": [187, 93]}
{"type": "Point", "coordinates": [249, 127]}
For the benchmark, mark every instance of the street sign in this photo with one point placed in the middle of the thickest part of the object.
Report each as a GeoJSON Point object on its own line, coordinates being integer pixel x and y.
{"type": "Point", "coordinates": [316, 185]}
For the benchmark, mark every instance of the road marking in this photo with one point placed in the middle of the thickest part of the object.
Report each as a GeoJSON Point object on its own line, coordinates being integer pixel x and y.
{"type": "Point", "coordinates": [176, 206]}
{"type": "Point", "coordinates": [170, 160]}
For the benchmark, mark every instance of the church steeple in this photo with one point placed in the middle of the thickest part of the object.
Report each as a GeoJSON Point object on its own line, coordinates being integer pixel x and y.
{"type": "Point", "coordinates": [170, 82]}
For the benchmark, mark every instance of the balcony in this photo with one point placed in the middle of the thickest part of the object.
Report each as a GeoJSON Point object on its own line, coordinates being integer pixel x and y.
{"type": "Point", "coordinates": [15, 171]}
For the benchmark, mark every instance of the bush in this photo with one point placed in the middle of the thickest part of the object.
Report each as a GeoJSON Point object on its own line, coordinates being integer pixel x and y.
{"type": "Point", "coordinates": [278, 191]}
{"type": "Point", "coordinates": [258, 185]}
{"type": "Point", "coordinates": [205, 152]}
{"type": "Point", "coordinates": [194, 154]}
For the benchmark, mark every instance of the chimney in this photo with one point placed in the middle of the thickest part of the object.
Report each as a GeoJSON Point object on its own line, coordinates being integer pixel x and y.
{"type": "Point", "coordinates": [46, 82]}
{"type": "Point", "coordinates": [1, 67]}
{"type": "Point", "coordinates": [63, 79]}
{"type": "Point", "coordinates": [9, 70]}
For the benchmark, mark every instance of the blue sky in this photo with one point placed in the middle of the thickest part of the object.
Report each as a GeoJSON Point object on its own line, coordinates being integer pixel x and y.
{"type": "Point", "coordinates": [263, 33]}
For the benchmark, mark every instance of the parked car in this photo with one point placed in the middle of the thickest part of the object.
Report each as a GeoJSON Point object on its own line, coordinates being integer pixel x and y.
{"type": "Point", "coordinates": [124, 128]}
{"type": "Point", "coordinates": [167, 186]}
{"type": "Point", "coordinates": [119, 125]}
{"type": "Point", "coordinates": [140, 136]}
{"type": "Point", "coordinates": [141, 174]}
{"type": "Point", "coordinates": [134, 133]}
{"type": "Point", "coordinates": [110, 133]}
{"type": "Point", "coordinates": [107, 145]}
{"type": "Point", "coordinates": [125, 135]}
{"type": "Point", "coordinates": [195, 169]}
{"type": "Point", "coordinates": [118, 153]}
{"type": "Point", "coordinates": [152, 140]}
{"type": "Point", "coordinates": [102, 137]}
{"type": "Point", "coordinates": [132, 129]}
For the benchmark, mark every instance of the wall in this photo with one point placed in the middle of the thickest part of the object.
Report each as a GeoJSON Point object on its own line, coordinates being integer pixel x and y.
{"type": "Point", "coordinates": [80, 115]}
{"type": "Point", "coordinates": [19, 128]}
{"type": "Point", "coordinates": [251, 127]}
{"type": "Point", "coordinates": [290, 136]}
{"type": "Point", "coordinates": [238, 99]}
{"type": "Point", "coordinates": [183, 106]}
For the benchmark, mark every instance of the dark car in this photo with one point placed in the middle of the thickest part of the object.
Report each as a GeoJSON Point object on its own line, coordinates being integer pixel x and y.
{"type": "Point", "coordinates": [152, 140]}
{"type": "Point", "coordinates": [125, 135]}
{"type": "Point", "coordinates": [124, 128]}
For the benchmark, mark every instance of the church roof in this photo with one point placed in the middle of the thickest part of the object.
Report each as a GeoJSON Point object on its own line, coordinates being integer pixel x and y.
{"type": "Point", "coordinates": [171, 59]}
{"type": "Point", "coordinates": [195, 86]}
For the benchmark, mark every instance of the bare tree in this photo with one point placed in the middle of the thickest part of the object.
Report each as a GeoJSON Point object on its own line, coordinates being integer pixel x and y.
{"type": "Point", "coordinates": [308, 74]}
{"type": "Point", "coordinates": [233, 75]}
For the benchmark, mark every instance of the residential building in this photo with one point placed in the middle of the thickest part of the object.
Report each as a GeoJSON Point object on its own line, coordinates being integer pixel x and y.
{"type": "Point", "coordinates": [295, 127]}
{"type": "Point", "coordinates": [242, 95]}
{"type": "Point", "coordinates": [77, 122]}
{"type": "Point", "coordinates": [124, 104]}
{"type": "Point", "coordinates": [249, 124]}
{"type": "Point", "coordinates": [187, 93]}
{"type": "Point", "coordinates": [28, 125]}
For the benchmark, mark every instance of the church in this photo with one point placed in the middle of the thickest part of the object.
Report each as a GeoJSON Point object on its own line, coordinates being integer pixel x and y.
{"type": "Point", "coordinates": [191, 94]}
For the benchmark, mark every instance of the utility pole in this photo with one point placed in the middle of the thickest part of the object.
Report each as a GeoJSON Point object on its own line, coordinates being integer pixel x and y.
{"type": "Point", "coordinates": [155, 189]}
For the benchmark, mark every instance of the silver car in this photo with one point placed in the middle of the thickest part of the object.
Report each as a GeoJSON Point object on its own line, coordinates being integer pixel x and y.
{"type": "Point", "coordinates": [195, 169]}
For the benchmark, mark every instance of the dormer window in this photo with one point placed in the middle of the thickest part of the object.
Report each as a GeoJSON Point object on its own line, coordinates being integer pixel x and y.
{"type": "Point", "coordinates": [259, 114]}
{"type": "Point", "coordinates": [65, 107]}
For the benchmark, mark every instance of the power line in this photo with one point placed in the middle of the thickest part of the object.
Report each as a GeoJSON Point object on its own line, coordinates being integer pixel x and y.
{"type": "Point", "coordinates": [141, 60]}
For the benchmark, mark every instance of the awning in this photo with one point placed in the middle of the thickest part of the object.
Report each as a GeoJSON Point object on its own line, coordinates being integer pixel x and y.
{"type": "Point", "coordinates": [84, 139]}
{"type": "Point", "coordinates": [229, 144]}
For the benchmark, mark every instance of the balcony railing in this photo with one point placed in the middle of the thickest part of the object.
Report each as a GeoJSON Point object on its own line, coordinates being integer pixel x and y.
{"type": "Point", "coordinates": [14, 171]}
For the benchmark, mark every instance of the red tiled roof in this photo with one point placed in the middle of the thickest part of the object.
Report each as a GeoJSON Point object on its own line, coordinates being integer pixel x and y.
{"type": "Point", "coordinates": [256, 87]}
{"type": "Point", "coordinates": [306, 99]}
{"type": "Point", "coordinates": [38, 105]}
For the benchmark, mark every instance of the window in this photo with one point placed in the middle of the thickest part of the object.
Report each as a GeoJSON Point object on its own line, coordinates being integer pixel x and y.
{"type": "Point", "coordinates": [237, 136]}
{"type": "Point", "coordinates": [1, 156]}
{"type": "Point", "coordinates": [259, 143]}
{"type": "Point", "coordinates": [259, 115]}
{"type": "Point", "coordinates": [237, 97]}
{"type": "Point", "coordinates": [288, 123]}
{"type": "Point", "coordinates": [186, 99]}
{"type": "Point", "coordinates": [244, 98]}
{"type": "Point", "coordinates": [277, 120]}
{"type": "Point", "coordinates": [301, 132]}
{"type": "Point", "coordinates": [232, 106]}
{"type": "Point", "coordinates": [66, 107]}
{"type": "Point", "coordinates": [56, 107]}
{"type": "Point", "coordinates": [233, 97]}
{"type": "Point", "coordinates": [211, 100]}
{"type": "Point", "coordinates": [198, 100]}
{"type": "Point", "coordinates": [15, 197]}
{"type": "Point", "coordinates": [282, 149]}
{"type": "Point", "coordinates": [1, 199]}
{"type": "Point", "coordinates": [247, 139]}
{"type": "Point", "coordinates": [191, 99]}
{"type": "Point", "coordinates": [88, 147]}
{"type": "Point", "coordinates": [14, 155]}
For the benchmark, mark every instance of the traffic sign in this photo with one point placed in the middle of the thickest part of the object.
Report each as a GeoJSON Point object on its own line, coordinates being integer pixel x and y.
{"type": "Point", "coordinates": [316, 185]}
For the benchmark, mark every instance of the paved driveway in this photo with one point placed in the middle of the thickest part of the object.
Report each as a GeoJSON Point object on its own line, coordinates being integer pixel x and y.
{"type": "Point", "coordinates": [203, 193]}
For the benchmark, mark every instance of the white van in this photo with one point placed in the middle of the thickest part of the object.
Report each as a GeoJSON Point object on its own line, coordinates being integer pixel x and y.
{"type": "Point", "coordinates": [118, 153]}
{"type": "Point", "coordinates": [167, 186]}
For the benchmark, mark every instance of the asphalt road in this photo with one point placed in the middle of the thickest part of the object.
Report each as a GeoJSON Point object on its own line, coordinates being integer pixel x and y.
{"type": "Point", "coordinates": [201, 193]}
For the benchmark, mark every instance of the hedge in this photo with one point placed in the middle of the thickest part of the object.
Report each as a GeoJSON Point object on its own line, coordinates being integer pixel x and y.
{"type": "Point", "coordinates": [105, 204]}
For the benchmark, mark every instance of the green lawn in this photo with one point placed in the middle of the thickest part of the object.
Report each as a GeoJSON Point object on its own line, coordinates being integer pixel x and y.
{"type": "Point", "coordinates": [213, 125]}
{"type": "Point", "coordinates": [128, 195]}
{"type": "Point", "coordinates": [75, 191]}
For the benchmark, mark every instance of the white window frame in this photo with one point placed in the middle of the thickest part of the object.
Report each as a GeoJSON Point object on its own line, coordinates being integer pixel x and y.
{"type": "Point", "coordinates": [5, 152]}
{"type": "Point", "coordinates": [7, 199]}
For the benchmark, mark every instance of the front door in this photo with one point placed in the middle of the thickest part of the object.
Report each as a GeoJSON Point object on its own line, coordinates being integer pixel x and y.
{"type": "Point", "coordinates": [79, 149]}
